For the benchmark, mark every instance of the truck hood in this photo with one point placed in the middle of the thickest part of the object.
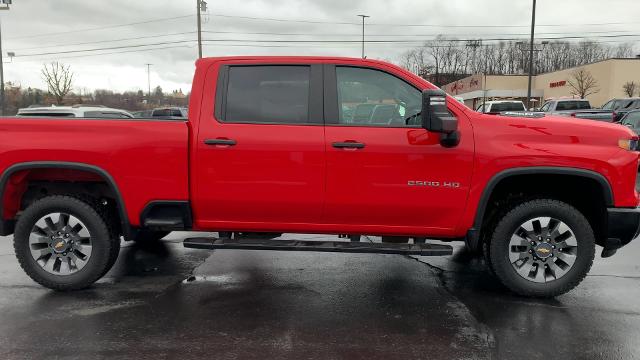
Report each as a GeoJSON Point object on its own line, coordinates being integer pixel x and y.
{"type": "Point", "coordinates": [550, 126]}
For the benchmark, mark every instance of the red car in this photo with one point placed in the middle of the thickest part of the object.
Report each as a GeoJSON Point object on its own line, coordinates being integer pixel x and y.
{"type": "Point", "coordinates": [321, 145]}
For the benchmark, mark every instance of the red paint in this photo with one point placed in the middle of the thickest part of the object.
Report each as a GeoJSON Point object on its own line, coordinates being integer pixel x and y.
{"type": "Point", "coordinates": [290, 179]}
{"type": "Point", "coordinates": [558, 84]}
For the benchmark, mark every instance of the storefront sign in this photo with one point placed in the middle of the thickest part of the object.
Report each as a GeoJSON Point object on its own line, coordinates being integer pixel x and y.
{"type": "Point", "coordinates": [558, 84]}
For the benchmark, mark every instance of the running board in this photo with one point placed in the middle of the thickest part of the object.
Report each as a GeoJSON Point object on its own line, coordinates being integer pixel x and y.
{"type": "Point", "coordinates": [319, 246]}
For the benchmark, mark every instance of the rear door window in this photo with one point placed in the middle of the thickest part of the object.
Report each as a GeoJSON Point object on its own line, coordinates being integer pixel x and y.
{"type": "Point", "coordinates": [268, 94]}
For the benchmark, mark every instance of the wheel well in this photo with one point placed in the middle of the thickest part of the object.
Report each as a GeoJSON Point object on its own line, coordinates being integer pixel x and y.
{"type": "Point", "coordinates": [584, 193]}
{"type": "Point", "coordinates": [22, 186]}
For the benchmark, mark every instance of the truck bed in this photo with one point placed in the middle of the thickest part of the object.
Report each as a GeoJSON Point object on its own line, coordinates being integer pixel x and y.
{"type": "Point", "coordinates": [148, 159]}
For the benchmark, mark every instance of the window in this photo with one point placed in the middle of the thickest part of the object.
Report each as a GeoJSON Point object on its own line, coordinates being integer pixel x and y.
{"type": "Point", "coordinates": [47, 114]}
{"type": "Point", "coordinates": [166, 113]}
{"type": "Point", "coordinates": [632, 119]}
{"type": "Point", "coordinates": [573, 105]}
{"type": "Point", "coordinates": [105, 115]}
{"type": "Point", "coordinates": [507, 106]}
{"type": "Point", "coordinates": [368, 97]}
{"type": "Point", "coordinates": [546, 107]}
{"type": "Point", "coordinates": [268, 94]}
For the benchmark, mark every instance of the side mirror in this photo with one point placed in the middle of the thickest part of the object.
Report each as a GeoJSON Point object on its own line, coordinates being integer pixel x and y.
{"type": "Point", "coordinates": [437, 118]}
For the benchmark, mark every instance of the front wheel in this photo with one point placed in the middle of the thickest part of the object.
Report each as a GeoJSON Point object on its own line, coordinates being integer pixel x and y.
{"type": "Point", "coordinates": [542, 248]}
{"type": "Point", "coordinates": [64, 244]}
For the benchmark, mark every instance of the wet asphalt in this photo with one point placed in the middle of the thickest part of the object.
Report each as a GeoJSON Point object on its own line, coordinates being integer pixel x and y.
{"type": "Point", "coordinates": [167, 302]}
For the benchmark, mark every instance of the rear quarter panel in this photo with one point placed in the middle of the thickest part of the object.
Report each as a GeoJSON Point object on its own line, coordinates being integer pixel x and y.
{"type": "Point", "coordinates": [147, 159]}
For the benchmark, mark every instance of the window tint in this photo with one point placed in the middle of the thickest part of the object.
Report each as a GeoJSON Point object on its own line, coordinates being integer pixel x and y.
{"type": "Point", "coordinates": [44, 114]}
{"type": "Point", "coordinates": [370, 97]}
{"type": "Point", "coordinates": [508, 106]}
{"type": "Point", "coordinates": [268, 94]}
{"type": "Point", "coordinates": [573, 105]}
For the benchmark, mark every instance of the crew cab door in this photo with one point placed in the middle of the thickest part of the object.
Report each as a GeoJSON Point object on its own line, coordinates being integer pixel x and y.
{"type": "Point", "coordinates": [260, 159]}
{"type": "Point", "coordinates": [384, 171]}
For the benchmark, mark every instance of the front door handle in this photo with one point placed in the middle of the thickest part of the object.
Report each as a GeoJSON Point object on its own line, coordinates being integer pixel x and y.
{"type": "Point", "coordinates": [348, 145]}
{"type": "Point", "coordinates": [222, 142]}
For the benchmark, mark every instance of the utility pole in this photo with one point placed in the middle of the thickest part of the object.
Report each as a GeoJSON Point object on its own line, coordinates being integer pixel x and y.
{"type": "Point", "coordinates": [475, 44]}
{"type": "Point", "coordinates": [201, 7]}
{"type": "Point", "coordinates": [364, 17]}
{"type": "Point", "coordinates": [531, 49]}
{"type": "Point", "coordinates": [149, 82]}
{"type": "Point", "coordinates": [7, 3]}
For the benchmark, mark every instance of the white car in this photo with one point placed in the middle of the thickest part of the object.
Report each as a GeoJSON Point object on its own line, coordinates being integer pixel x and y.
{"type": "Point", "coordinates": [497, 107]}
{"type": "Point", "coordinates": [75, 111]}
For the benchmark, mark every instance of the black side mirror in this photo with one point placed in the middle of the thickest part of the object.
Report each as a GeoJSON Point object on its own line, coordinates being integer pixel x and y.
{"type": "Point", "coordinates": [437, 118]}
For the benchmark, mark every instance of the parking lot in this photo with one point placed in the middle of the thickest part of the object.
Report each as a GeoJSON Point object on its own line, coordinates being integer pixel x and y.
{"type": "Point", "coordinates": [166, 301]}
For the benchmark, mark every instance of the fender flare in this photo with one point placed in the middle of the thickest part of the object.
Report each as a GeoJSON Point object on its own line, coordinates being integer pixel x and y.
{"type": "Point", "coordinates": [6, 226]}
{"type": "Point", "coordinates": [473, 235]}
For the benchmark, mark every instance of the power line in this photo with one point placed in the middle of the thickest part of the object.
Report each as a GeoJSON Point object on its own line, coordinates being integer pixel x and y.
{"type": "Point", "coordinates": [266, 41]}
{"type": "Point", "coordinates": [414, 25]}
{"type": "Point", "coordinates": [123, 52]}
{"type": "Point", "coordinates": [107, 48]}
{"type": "Point", "coordinates": [100, 28]}
{"type": "Point", "coordinates": [105, 41]}
{"type": "Point", "coordinates": [284, 34]}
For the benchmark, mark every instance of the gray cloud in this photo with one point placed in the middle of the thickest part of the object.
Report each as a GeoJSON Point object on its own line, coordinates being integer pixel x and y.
{"type": "Point", "coordinates": [173, 68]}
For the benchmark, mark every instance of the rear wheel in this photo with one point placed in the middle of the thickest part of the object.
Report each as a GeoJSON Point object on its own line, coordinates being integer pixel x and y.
{"type": "Point", "coordinates": [542, 248]}
{"type": "Point", "coordinates": [64, 244]}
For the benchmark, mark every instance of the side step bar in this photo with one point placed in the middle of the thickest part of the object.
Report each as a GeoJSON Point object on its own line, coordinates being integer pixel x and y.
{"type": "Point", "coordinates": [319, 246]}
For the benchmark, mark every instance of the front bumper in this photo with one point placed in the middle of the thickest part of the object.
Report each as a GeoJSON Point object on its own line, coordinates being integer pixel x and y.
{"type": "Point", "coordinates": [623, 226]}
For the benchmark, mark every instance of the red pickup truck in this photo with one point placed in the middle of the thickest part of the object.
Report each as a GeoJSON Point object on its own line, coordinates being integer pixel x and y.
{"type": "Point", "coordinates": [321, 145]}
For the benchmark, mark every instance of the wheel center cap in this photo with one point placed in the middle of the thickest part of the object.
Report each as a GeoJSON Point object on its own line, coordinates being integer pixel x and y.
{"type": "Point", "coordinates": [543, 250]}
{"type": "Point", "coordinates": [59, 245]}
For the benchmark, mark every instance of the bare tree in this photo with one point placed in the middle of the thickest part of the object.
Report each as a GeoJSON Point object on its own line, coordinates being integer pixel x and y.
{"type": "Point", "coordinates": [583, 84]}
{"type": "Point", "coordinates": [630, 88]}
{"type": "Point", "coordinates": [59, 79]}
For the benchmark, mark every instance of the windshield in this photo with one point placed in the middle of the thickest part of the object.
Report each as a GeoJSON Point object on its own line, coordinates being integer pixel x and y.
{"type": "Point", "coordinates": [573, 105]}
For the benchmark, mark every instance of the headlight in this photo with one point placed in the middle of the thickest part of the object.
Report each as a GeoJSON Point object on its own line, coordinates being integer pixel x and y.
{"type": "Point", "coordinates": [629, 144]}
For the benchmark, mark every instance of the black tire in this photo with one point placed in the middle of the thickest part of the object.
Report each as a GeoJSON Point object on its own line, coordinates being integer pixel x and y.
{"type": "Point", "coordinates": [149, 236]}
{"type": "Point", "coordinates": [104, 243]}
{"type": "Point", "coordinates": [499, 248]}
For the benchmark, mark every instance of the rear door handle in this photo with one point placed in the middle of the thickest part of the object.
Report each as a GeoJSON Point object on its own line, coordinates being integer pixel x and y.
{"type": "Point", "coordinates": [348, 145]}
{"type": "Point", "coordinates": [223, 142]}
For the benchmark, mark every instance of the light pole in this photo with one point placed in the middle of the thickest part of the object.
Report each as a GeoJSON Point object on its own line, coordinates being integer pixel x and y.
{"type": "Point", "coordinates": [533, 32]}
{"type": "Point", "coordinates": [364, 17]}
{"type": "Point", "coordinates": [149, 82]}
{"type": "Point", "coordinates": [201, 7]}
{"type": "Point", "coordinates": [6, 7]}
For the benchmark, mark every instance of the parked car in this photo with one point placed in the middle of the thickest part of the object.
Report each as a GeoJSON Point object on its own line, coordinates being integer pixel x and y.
{"type": "Point", "coordinates": [266, 148]}
{"type": "Point", "coordinates": [75, 111]}
{"type": "Point", "coordinates": [578, 108]}
{"type": "Point", "coordinates": [632, 120]}
{"type": "Point", "coordinates": [497, 107]}
{"type": "Point", "coordinates": [622, 106]}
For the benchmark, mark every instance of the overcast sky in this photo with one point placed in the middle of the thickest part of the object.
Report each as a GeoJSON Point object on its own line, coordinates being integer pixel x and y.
{"type": "Point", "coordinates": [40, 26]}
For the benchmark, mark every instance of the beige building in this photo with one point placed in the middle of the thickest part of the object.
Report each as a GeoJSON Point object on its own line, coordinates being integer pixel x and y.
{"type": "Point", "coordinates": [611, 75]}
